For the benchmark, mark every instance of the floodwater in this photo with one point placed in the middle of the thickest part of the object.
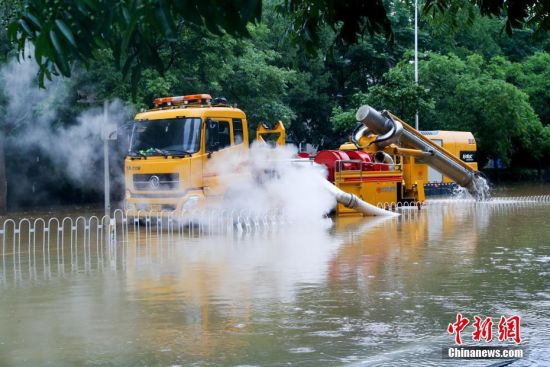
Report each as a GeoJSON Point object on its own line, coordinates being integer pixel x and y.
{"type": "Point", "coordinates": [356, 292]}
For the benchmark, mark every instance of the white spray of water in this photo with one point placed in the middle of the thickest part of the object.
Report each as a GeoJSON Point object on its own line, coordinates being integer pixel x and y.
{"type": "Point", "coordinates": [32, 120]}
{"type": "Point", "coordinates": [274, 181]}
{"type": "Point", "coordinates": [482, 189]}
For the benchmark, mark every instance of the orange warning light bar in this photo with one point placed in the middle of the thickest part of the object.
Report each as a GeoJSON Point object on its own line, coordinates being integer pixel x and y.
{"type": "Point", "coordinates": [191, 98]}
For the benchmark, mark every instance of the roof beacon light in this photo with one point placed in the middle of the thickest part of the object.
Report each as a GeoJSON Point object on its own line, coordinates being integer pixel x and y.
{"type": "Point", "coordinates": [201, 99]}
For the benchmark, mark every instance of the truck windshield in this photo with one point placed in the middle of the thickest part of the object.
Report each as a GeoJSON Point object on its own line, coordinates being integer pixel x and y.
{"type": "Point", "coordinates": [169, 136]}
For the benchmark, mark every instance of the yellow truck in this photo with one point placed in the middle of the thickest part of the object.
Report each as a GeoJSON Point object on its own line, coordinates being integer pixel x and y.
{"type": "Point", "coordinates": [166, 166]}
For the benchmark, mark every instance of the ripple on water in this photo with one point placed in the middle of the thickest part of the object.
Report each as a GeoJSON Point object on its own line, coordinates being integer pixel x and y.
{"type": "Point", "coordinates": [378, 328]}
{"type": "Point", "coordinates": [301, 350]}
{"type": "Point", "coordinates": [327, 334]}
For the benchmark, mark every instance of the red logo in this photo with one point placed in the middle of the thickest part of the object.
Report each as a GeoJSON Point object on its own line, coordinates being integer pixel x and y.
{"type": "Point", "coordinates": [483, 330]}
{"type": "Point", "coordinates": [508, 328]}
{"type": "Point", "coordinates": [457, 327]}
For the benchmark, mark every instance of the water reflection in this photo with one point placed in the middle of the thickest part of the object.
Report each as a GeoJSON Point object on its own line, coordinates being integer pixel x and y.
{"type": "Point", "coordinates": [359, 292]}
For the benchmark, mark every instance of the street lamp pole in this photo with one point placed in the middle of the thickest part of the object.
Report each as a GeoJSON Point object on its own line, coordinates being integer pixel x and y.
{"type": "Point", "coordinates": [416, 55]}
{"type": "Point", "coordinates": [106, 177]}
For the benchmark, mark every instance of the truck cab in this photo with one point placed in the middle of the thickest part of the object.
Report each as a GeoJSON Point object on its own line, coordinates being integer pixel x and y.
{"type": "Point", "coordinates": [166, 168]}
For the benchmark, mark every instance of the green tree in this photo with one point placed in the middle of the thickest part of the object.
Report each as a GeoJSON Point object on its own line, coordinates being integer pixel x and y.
{"type": "Point", "coordinates": [516, 13]}
{"type": "Point", "coordinates": [534, 79]}
{"type": "Point", "coordinates": [397, 93]}
{"type": "Point", "coordinates": [134, 31]}
{"type": "Point", "coordinates": [244, 71]}
{"type": "Point", "coordinates": [137, 32]}
{"type": "Point", "coordinates": [499, 115]}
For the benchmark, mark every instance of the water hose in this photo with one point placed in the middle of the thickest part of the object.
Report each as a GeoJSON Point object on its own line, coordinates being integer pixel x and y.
{"type": "Point", "coordinates": [353, 202]}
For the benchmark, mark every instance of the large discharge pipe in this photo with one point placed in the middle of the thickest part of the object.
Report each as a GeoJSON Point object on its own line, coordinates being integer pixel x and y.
{"type": "Point", "coordinates": [353, 202]}
{"type": "Point", "coordinates": [437, 158]}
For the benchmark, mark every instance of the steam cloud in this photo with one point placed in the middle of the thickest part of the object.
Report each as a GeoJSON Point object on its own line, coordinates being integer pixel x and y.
{"type": "Point", "coordinates": [32, 121]}
{"type": "Point", "coordinates": [276, 181]}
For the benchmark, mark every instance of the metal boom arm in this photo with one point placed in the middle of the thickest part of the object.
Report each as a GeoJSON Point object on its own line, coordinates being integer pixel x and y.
{"type": "Point", "coordinates": [437, 157]}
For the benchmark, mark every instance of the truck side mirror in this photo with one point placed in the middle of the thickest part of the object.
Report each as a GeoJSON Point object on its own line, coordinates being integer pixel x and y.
{"type": "Point", "coordinates": [123, 131]}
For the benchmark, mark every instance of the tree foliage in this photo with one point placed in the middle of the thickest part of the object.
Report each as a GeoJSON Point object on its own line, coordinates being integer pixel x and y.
{"type": "Point", "coordinates": [517, 13]}
{"type": "Point", "coordinates": [348, 18]}
{"type": "Point", "coordinates": [137, 32]}
{"type": "Point", "coordinates": [64, 32]}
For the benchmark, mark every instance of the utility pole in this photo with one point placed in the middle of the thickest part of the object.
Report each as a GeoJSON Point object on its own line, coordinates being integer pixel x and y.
{"type": "Point", "coordinates": [106, 132]}
{"type": "Point", "coordinates": [106, 176]}
{"type": "Point", "coordinates": [416, 55]}
{"type": "Point", "coordinates": [3, 177]}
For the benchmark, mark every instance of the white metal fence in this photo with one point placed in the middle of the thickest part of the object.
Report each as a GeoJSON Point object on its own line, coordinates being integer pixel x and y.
{"type": "Point", "coordinates": [44, 247]}
{"type": "Point", "coordinates": [57, 245]}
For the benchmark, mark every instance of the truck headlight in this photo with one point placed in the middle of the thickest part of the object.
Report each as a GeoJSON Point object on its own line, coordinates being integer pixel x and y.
{"type": "Point", "coordinates": [190, 203]}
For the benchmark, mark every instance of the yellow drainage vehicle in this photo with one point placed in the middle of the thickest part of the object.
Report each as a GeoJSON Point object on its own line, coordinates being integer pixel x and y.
{"type": "Point", "coordinates": [166, 166]}
{"type": "Point", "coordinates": [165, 169]}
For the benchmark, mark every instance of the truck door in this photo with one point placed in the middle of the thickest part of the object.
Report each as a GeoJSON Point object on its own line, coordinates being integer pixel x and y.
{"type": "Point", "coordinates": [218, 144]}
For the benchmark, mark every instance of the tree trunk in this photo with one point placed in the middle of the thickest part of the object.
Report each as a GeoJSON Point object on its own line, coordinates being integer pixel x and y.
{"type": "Point", "coordinates": [3, 181]}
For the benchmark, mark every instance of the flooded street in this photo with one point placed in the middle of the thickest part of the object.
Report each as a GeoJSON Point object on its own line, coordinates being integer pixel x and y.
{"type": "Point", "coordinates": [354, 292]}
